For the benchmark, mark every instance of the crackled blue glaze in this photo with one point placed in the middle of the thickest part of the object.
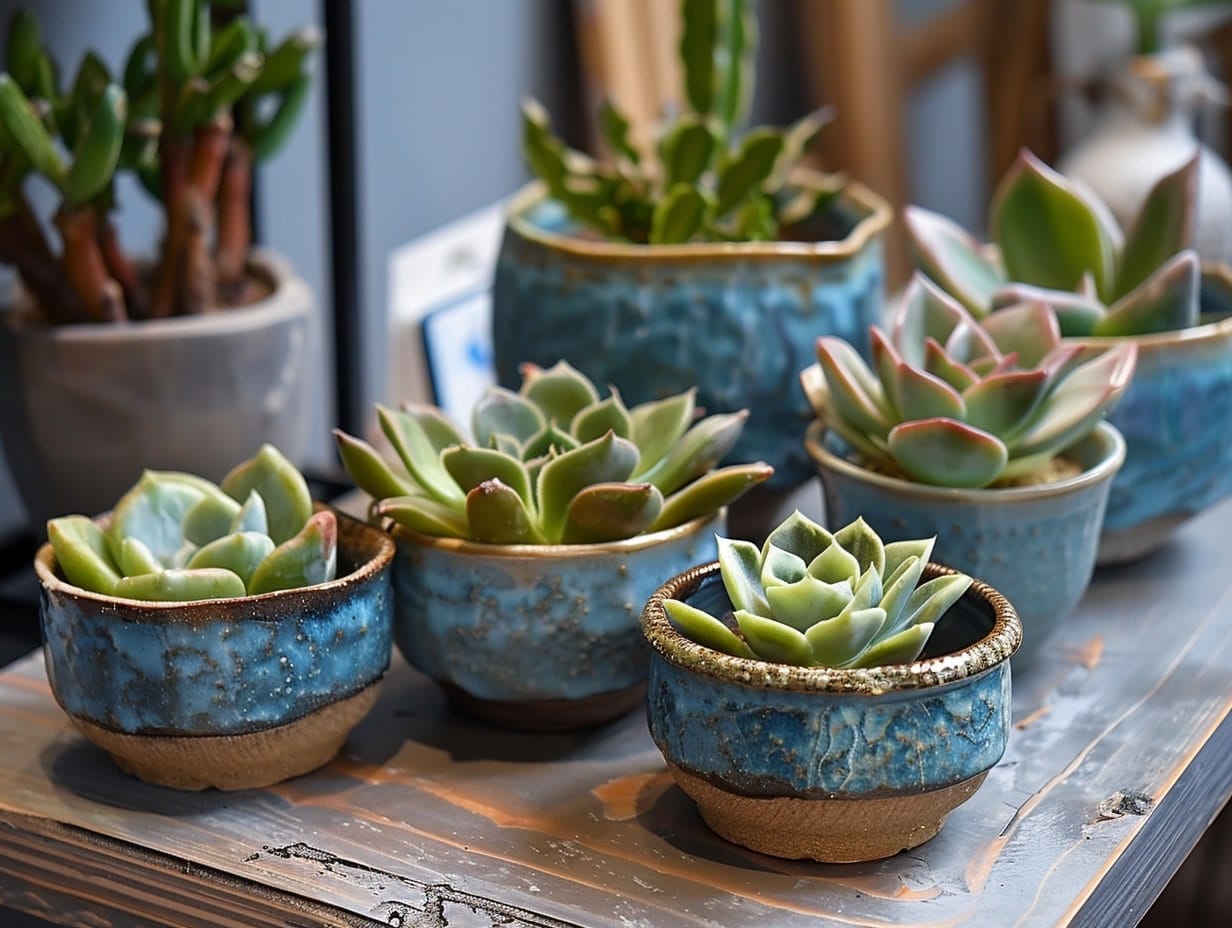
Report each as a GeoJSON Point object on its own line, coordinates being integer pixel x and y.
{"type": "Point", "coordinates": [739, 322]}
{"type": "Point", "coordinates": [529, 623]}
{"type": "Point", "coordinates": [1034, 544]}
{"type": "Point", "coordinates": [220, 667]}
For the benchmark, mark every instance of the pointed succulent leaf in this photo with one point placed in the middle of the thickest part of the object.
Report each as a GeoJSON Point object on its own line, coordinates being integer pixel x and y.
{"type": "Point", "coordinates": [687, 151]}
{"type": "Point", "coordinates": [182, 585]}
{"type": "Point", "coordinates": [834, 565]}
{"type": "Point", "coordinates": [945, 452]}
{"type": "Point", "coordinates": [441, 431]}
{"type": "Point", "coordinates": [898, 588]}
{"type": "Point", "coordinates": [836, 642]}
{"type": "Point", "coordinates": [497, 515]}
{"type": "Point", "coordinates": [470, 467]}
{"type": "Point", "coordinates": [209, 518]}
{"type": "Point", "coordinates": [930, 600]}
{"type": "Point", "coordinates": [419, 455]}
{"type": "Point", "coordinates": [1003, 403]}
{"type": "Point", "coordinates": [1167, 300]}
{"type": "Point", "coordinates": [920, 395]}
{"type": "Point", "coordinates": [853, 393]}
{"type": "Point", "coordinates": [701, 448]}
{"type": "Point", "coordinates": [615, 126]}
{"type": "Point", "coordinates": [306, 559]}
{"type": "Point", "coordinates": [1076, 313]}
{"type": "Point", "coordinates": [153, 511]}
{"type": "Point", "coordinates": [502, 412]}
{"type": "Point", "coordinates": [26, 133]}
{"type": "Point", "coordinates": [774, 641]}
{"type": "Point", "coordinates": [288, 504]}
{"type": "Point", "coordinates": [946, 253]}
{"type": "Point", "coordinates": [865, 545]}
{"type": "Point", "coordinates": [136, 558]}
{"type": "Point", "coordinates": [797, 138]}
{"type": "Point", "coordinates": [867, 591]}
{"type": "Point", "coordinates": [368, 469]}
{"type": "Point", "coordinates": [609, 459]}
{"type": "Point", "coordinates": [740, 567]}
{"type": "Point", "coordinates": [801, 536]}
{"type": "Point", "coordinates": [610, 512]}
{"type": "Point", "coordinates": [709, 493]}
{"type": "Point", "coordinates": [559, 391]}
{"type": "Point", "coordinates": [901, 648]}
{"type": "Point", "coordinates": [925, 311]}
{"type": "Point", "coordinates": [426, 515]}
{"type": "Point", "coordinates": [807, 601]}
{"type": "Point", "coordinates": [252, 516]}
{"type": "Point", "coordinates": [1029, 329]}
{"type": "Point", "coordinates": [898, 553]}
{"type": "Point", "coordinates": [239, 553]}
{"type": "Point", "coordinates": [748, 169]}
{"type": "Point", "coordinates": [1050, 230]}
{"type": "Point", "coordinates": [938, 363]}
{"type": "Point", "coordinates": [659, 424]}
{"type": "Point", "coordinates": [81, 551]}
{"type": "Point", "coordinates": [699, 36]}
{"type": "Point", "coordinates": [886, 361]}
{"type": "Point", "coordinates": [679, 216]}
{"type": "Point", "coordinates": [779, 567]}
{"type": "Point", "coordinates": [593, 421]}
{"type": "Point", "coordinates": [705, 629]}
{"type": "Point", "coordinates": [551, 441]}
{"type": "Point", "coordinates": [1163, 227]}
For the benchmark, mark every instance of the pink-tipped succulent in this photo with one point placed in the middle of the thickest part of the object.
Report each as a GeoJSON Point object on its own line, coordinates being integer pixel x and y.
{"type": "Point", "coordinates": [954, 402]}
{"type": "Point", "coordinates": [1056, 241]}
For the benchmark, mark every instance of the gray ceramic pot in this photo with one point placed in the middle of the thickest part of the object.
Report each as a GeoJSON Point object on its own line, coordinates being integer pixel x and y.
{"type": "Point", "coordinates": [831, 765]}
{"type": "Point", "coordinates": [230, 693]}
{"type": "Point", "coordinates": [87, 407]}
{"type": "Point", "coordinates": [736, 320]}
{"type": "Point", "coordinates": [1036, 544]}
{"type": "Point", "coordinates": [537, 637]}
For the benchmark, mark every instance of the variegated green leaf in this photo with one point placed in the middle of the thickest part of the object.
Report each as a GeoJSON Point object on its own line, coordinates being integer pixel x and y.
{"type": "Point", "coordinates": [902, 648]}
{"type": "Point", "coordinates": [252, 516]}
{"type": "Point", "coordinates": [835, 565]}
{"type": "Point", "coordinates": [780, 567]}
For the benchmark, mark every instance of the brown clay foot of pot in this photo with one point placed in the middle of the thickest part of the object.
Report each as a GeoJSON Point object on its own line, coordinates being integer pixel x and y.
{"type": "Point", "coordinates": [835, 831]}
{"type": "Point", "coordinates": [548, 715]}
{"type": "Point", "coordinates": [247, 761]}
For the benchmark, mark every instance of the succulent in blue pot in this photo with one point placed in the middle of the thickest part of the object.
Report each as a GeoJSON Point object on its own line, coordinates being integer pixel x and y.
{"type": "Point", "coordinates": [527, 546]}
{"type": "Point", "coordinates": [989, 435]}
{"type": "Point", "coordinates": [217, 635]}
{"type": "Point", "coordinates": [827, 695]}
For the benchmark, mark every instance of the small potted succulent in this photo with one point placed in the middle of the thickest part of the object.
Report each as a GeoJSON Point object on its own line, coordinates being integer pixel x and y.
{"type": "Point", "coordinates": [216, 635]}
{"type": "Point", "coordinates": [715, 261]}
{"type": "Point", "coordinates": [1055, 241]}
{"type": "Point", "coordinates": [828, 696]}
{"type": "Point", "coordinates": [527, 549]}
{"type": "Point", "coordinates": [100, 348]}
{"type": "Point", "coordinates": [989, 436]}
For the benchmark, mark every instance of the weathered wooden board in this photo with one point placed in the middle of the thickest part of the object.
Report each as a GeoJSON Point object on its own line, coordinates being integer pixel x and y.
{"type": "Point", "coordinates": [1120, 758]}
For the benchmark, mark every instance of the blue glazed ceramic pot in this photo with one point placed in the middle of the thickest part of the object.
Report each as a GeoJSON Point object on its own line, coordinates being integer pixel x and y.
{"type": "Point", "coordinates": [537, 637]}
{"type": "Point", "coordinates": [231, 693]}
{"type": "Point", "coordinates": [826, 764]}
{"type": "Point", "coordinates": [1036, 544]}
{"type": "Point", "coordinates": [736, 320]}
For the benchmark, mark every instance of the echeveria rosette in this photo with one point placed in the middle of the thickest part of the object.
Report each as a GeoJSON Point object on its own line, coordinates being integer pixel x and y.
{"type": "Point", "coordinates": [176, 537]}
{"type": "Point", "coordinates": [552, 464]}
{"type": "Point", "coordinates": [950, 401]}
{"type": "Point", "coordinates": [1056, 241]}
{"type": "Point", "coordinates": [811, 598]}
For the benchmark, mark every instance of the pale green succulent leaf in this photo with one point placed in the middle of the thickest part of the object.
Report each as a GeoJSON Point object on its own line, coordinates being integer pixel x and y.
{"type": "Point", "coordinates": [920, 395]}
{"type": "Point", "coordinates": [901, 648]}
{"type": "Point", "coordinates": [609, 459]}
{"type": "Point", "coordinates": [552, 441]}
{"type": "Point", "coordinates": [939, 363]}
{"type": "Point", "coordinates": [837, 641]}
{"type": "Point", "coordinates": [925, 311]}
{"type": "Point", "coordinates": [608, 415]}
{"type": "Point", "coordinates": [82, 552]}
{"type": "Point", "coordinates": [307, 558]}
{"type": "Point", "coordinates": [136, 558]}
{"type": "Point", "coordinates": [209, 518]}
{"type": "Point", "coordinates": [709, 493]}
{"type": "Point", "coordinates": [897, 553]}
{"type": "Point", "coordinates": [288, 504]}
{"type": "Point", "coordinates": [864, 544]}
{"type": "Point", "coordinates": [1002, 404]}
{"type": "Point", "coordinates": [800, 535]}
{"type": "Point", "coordinates": [740, 567]}
{"type": "Point", "coordinates": [1076, 313]}
{"type": "Point", "coordinates": [611, 511]}
{"type": "Point", "coordinates": [1165, 301]}
{"type": "Point", "coordinates": [153, 512]}
{"type": "Point", "coordinates": [948, 255]}
{"type": "Point", "coordinates": [774, 641]}
{"type": "Point", "coordinates": [657, 425]}
{"type": "Point", "coordinates": [441, 431]}
{"type": "Point", "coordinates": [470, 467]}
{"type": "Point", "coordinates": [780, 567]}
{"type": "Point", "coordinates": [496, 514]}
{"type": "Point", "coordinates": [1030, 330]}
{"type": "Point", "coordinates": [369, 470]}
{"type": "Point", "coordinates": [835, 565]}
{"type": "Point", "coordinates": [697, 452]}
{"type": "Point", "coordinates": [898, 587]}
{"type": "Point", "coordinates": [853, 393]}
{"type": "Point", "coordinates": [929, 601]}
{"type": "Point", "coordinates": [1163, 228]}
{"type": "Point", "coordinates": [705, 629]}
{"type": "Point", "coordinates": [182, 585]}
{"type": "Point", "coordinates": [426, 515]}
{"type": "Point", "coordinates": [748, 169]}
{"type": "Point", "coordinates": [867, 591]}
{"type": "Point", "coordinates": [686, 152]}
{"type": "Point", "coordinates": [419, 455]}
{"type": "Point", "coordinates": [807, 601]}
{"type": "Point", "coordinates": [252, 516]}
{"type": "Point", "coordinates": [502, 412]}
{"type": "Point", "coordinates": [559, 391]}
{"type": "Point", "coordinates": [239, 553]}
{"type": "Point", "coordinates": [945, 452]}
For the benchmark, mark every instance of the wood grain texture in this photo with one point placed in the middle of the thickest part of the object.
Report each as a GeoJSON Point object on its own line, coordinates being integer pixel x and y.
{"type": "Point", "coordinates": [1118, 759]}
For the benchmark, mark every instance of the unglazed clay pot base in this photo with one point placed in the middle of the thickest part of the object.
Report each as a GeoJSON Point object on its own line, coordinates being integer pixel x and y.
{"type": "Point", "coordinates": [547, 715]}
{"type": "Point", "coordinates": [834, 831]}
{"type": "Point", "coordinates": [231, 762]}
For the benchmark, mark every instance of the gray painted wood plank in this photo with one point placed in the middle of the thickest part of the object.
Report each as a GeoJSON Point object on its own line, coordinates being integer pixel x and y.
{"type": "Point", "coordinates": [1116, 763]}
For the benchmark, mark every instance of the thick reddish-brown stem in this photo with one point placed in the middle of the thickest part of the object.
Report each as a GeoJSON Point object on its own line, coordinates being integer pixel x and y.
{"type": "Point", "coordinates": [87, 274]}
{"type": "Point", "coordinates": [121, 267]}
{"type": "Point", "coordinates": [210, 143]}
{"type": "Point", "coordinates": [234, 217]}
{"type": "Point", "coordinates": [166, 290]}
{"type": "Point", "coordinates": [23, 245]}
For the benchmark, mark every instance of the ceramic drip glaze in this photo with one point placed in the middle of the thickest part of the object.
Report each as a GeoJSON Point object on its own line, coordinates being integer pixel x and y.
{"type": "Point", "coordinates": [736, 320]}
{"type": "Point", "coordinates": [535, 622]}
{"type": "Point", "coordinates": [225, 666]}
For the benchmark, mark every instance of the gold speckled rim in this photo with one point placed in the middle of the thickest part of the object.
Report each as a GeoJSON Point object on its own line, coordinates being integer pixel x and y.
{"type": "Point", "coordinates": [983, 655]}
{"type": "Point", "coordinates": [875, 217]}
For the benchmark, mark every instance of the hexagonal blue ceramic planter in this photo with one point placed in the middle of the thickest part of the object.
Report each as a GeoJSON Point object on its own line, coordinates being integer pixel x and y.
{"type": "Point", "coordinates": [736, 320]}
{"type": "Point", "coordinates": [231, 693]}
{"type": "Point", "coordinates": [538, 637]}
{"type": "Point", "coordinates": [826, 764]}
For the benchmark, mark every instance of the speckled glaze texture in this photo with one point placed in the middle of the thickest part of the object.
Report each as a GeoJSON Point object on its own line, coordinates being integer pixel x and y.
{"type": "Point", "coordinates": [760, 730]}
{"type": "Point", "coordinates": [1176, 417]}
{"type": "Point", "coordinates": [1036, 544]}
{"type": "Point", "coordinates": [525, 623]}
{"type": "Point", "coordinates": [738, 321]}
{"type": "Point", "coordinates": [224, 666]}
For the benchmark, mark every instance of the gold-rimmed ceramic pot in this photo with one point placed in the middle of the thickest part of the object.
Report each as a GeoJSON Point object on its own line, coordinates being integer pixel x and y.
{"type": "Point", "coordinates": [827, 764]}
{"type": "Point", "coordinates": [738, 320]}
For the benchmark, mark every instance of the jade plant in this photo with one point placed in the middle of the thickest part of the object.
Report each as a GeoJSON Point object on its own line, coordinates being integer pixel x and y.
{"type": "Point", "coordinates": [202, 95]}
{"type": "Point", "coordinates": [706, 183]}
{"type": "Point", "coordinates": [176, 537]}
{"type": "Point", "coordinates": [551, 464]}
{"type": "Point", "coordinates": [811, 598]}
{"type": "Point", "coordinates": [1056, 241]}
{"type": "Point", "coordinates": [951, 401]}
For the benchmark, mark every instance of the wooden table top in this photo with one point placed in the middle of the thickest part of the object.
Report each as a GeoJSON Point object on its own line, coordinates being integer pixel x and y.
{"type": "Point", "coordinates": [1120, 758]}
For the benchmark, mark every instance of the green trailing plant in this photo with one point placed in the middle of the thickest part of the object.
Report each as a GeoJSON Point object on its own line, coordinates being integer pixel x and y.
{"type": "Point", "coordinates": [954, 402]}
{"type": "Point", "coordinates": [176, 537]}
{"type": "Point", "coordinates": [706, 183]}
{"type": "Point", "coordinates": [1056, 241]}
{"type": "Point", "coordinates": [551, 464]}
{"type": "Point", "coordinates": [1149, 16]}
{"type": "Point", "coordinates": [815, 599]}
{"type": "Point", "coordinates": [202, 95]}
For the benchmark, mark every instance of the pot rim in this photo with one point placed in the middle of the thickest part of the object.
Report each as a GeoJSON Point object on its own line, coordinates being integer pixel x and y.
{"type": "Point", "coordinates": [1105, 433]}
{"type": "Point", "coordinates": [876, 215]}
{"type": "Point", "coordinates": [144, 610]}
{"type": "Point", "coordinates": [466, 547]}
{"type": "Point", "coordinates": [290, 298]}
{"type": "Point", "coordinates": [980, 656]}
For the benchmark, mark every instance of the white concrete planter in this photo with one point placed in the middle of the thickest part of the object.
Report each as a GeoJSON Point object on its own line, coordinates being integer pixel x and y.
{"type": "Point", "coordinates": [84, 408]}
